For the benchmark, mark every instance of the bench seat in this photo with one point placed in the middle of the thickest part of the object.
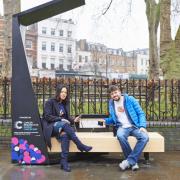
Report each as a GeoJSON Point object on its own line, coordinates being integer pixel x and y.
{"type": "Point", "coordinates": [106, 142]}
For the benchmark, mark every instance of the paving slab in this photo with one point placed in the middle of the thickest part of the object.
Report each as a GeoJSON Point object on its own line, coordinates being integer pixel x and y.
{"type": "Point", "coordinates": [163, 166]}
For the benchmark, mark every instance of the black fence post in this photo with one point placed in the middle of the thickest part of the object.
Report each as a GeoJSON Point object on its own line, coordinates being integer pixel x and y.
{"type": "Point", "coordinates": [5, 97]}
{"type": "Point", "coordinates": [159, 99]}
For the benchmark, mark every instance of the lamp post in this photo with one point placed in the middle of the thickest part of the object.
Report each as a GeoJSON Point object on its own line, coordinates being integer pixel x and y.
{"type": "Point", "coordinates": [106, 63]}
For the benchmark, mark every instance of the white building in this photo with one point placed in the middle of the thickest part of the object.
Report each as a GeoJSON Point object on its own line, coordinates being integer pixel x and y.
{"type": "Point", "coordinates": [83, 61]}
{"type": "Point", "coordinates": [142, 58]}
{"type": "Point", "coordinates": [142, 64]}
{"type": "Point", "coordinates": [56, 46]}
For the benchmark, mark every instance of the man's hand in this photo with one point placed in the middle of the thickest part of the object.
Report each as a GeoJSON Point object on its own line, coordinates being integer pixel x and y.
{"type": "Point", "coordinates": [101, 122]}
{"type": "Point", "coordinates": [143, 129]}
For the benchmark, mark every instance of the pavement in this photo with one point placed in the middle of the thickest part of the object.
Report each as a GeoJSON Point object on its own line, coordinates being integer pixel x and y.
{"type": "Point", "coordinates": [162, 166]}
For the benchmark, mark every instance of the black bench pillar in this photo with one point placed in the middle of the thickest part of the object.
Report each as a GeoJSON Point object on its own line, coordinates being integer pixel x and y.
{"type": "Point", "coordinates": [27, 144]}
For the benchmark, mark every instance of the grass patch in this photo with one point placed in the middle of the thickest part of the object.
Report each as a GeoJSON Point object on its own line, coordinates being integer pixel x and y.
{"type": "Point", "coordinates": [5, 131]}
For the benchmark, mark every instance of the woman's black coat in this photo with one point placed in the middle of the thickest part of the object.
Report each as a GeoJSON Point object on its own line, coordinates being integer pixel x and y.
{"type": "Point", "coordinates": [50, 116]}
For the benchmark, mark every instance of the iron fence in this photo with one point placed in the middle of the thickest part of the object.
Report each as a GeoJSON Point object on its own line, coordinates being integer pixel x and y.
{"type": "Point", "coordinates": [160, 99]}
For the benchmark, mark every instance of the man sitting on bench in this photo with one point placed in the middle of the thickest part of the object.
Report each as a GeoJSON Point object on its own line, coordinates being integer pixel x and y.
{"type": "Point", "coordinates": [129, 120]}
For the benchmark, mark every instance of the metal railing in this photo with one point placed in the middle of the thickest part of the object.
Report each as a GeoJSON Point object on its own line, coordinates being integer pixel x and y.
{"type": "Point", "coordinates": [160, 99]}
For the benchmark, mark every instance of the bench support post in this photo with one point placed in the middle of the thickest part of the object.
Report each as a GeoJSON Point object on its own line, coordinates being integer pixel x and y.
{"type": "Point", "coordinates": [146, 157]}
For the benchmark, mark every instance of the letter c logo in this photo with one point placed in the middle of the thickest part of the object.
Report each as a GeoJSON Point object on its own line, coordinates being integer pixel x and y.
{"type": "Point", "coordinates": [18, 124]}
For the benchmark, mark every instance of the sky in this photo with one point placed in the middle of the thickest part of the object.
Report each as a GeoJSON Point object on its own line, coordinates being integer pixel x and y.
{"type": "Point", "coordinates": [123, 26]}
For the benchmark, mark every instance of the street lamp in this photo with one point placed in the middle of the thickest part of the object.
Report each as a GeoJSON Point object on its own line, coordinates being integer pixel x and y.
{"type": "Point", "coordinates": [107, 63]}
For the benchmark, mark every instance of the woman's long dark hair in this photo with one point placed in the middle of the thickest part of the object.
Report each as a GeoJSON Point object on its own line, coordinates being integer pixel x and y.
{"type": "Point", "coordinates": [58, 91]}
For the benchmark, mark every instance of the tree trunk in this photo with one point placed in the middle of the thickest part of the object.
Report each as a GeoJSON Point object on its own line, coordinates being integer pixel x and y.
{"type": "Point", "coordinates": [165, 35]}
{"type": "Point", "coordinates": [177, 47]}
{"type": "Point", "coordinates": [153, 13]}
{"type": "Point", "coordinates": [10, 7]}
{"type": "Point", "coordinates": [177, 41]}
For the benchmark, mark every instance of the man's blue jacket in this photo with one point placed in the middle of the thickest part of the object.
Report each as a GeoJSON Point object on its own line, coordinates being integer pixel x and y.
{"type": "Point", "coordinates": [133, 111]}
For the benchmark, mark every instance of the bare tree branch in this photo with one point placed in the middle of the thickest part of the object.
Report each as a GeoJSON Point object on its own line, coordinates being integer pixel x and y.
{"type": "Point", "coordinates": [176, 7]}
{"type": "Point", "coordinates": [130, 7]}
{"type": "Point", "coordinates": [107, 8]}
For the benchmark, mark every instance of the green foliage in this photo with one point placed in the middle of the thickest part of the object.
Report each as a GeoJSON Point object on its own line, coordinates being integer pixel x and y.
{"type": "Point", "coordinates": [5, 130]}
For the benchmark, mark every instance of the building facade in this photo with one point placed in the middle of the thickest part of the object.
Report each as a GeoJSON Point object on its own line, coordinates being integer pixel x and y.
{"type": "Point", "coordinates": [2, 45]}
{"type": "Point", "coordinates": [52, 50]}
{"type": "Point", "coordinates": [142, 64]}
{"type": "Point", "coordinates": [50, 46]}
{"type": "Point", "coordinates": [106, 62]}
{"type": "Point", "coordinates": [31, 47]}
{"type": "Point", "coordinates": [56, 47]}
{"type": "Point", "coordinates": [142, 58]}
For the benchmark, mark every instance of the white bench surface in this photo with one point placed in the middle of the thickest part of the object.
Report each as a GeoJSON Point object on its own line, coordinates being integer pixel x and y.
{"type": "Point", "coordinates": [106, 142]}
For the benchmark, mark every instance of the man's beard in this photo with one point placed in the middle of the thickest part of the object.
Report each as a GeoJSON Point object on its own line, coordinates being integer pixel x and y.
{"type": "Point", "coordinates": [117, 99]}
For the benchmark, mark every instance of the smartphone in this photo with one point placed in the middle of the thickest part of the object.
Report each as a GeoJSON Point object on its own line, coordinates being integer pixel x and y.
{"type": "Point", "coordinates": [100, 123]}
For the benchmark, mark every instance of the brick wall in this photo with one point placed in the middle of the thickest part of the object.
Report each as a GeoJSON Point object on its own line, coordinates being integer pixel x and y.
{"type": "Point", "coordinates": [171, 136]}
{"type": "Point", "coordinates": [1, 42]}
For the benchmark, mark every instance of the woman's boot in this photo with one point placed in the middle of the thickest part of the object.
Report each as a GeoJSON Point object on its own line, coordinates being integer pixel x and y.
{"type": "Point", "coordinates": [64, 139]}
{"type": "Point", "coordinates": [70, 132]}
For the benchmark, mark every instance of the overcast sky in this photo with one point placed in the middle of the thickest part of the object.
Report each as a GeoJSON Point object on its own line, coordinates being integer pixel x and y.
{"type": "Point", "coordinates": [120, 27]}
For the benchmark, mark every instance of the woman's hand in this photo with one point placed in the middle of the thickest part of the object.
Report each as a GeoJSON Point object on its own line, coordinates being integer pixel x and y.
{"type": "Point", "coordinates": [77, 119]}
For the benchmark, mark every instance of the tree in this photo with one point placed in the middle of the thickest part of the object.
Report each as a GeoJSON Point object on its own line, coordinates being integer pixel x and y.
{"type": "Point", "coordinates": [165, 35]}
{"type": "Point", "coordinates": [153, 15]}
{"type": "Point", "coordinates": [10, 7]}
{"type": "Point", "coordinates": [169, 49]}
{"type": "Point", "coordinates": [153, 18]}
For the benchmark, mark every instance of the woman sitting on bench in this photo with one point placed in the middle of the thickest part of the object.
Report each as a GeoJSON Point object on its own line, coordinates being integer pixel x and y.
{"type": "Point", "coordinates": [56, 122]}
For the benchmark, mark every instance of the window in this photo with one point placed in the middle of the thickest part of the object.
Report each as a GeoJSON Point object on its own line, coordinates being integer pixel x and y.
{"type": "Point", "coordinates": [69, 50]}
{"type": "Point", "coordinates": [61, 66]}
{"type": "Point", "coordinates": [60, 47]}
{"type": "Point", "coordinates": [61, 32]}
{"type": "Point", "coordinates": [61, 61]}
{"type": "Point", "coordinates": [133, 64]}
{"type": "Point", "coordinates": [34, 65]}
{"type": "Point", "coordinates": [122, 63]}
{"type": "Point", "coordinates": [52, 66]}
{"type": "Point", "coordinates": [80, 58]}
{"type": "Point", "coordinates": [44, 30]}
{"type": "Point", "coordinates": [52, 63]}
{"type": "Point", "coordinates": [44, 62]}
{"type": "Point", "coordinates": [53, 46]}
{"type": "Point", "coordinates": [44, 46]}
{"type": "Point", "coordinates": [44, 65]}
{"type": "Point", "coordinates": [52, 31]}
{"type": "Point", "coordinates": [86, 58]}
{"type": "Point", "coordinates": [28, 44]}
{"type": "Point", "coordinates": [69, 34]}
{"type": "Point", "coordinates": [69, 67]}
